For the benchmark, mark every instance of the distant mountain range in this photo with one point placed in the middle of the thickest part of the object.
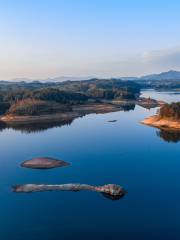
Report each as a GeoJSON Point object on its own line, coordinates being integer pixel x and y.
{"type": "Point", "coordinates": [170, 75]}
{"type": "Point", "coordinates": [56, 79]}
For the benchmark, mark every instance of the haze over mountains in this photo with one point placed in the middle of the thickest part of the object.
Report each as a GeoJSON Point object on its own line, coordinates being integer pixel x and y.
{"type": "Point", "coordinates": [169, 75]}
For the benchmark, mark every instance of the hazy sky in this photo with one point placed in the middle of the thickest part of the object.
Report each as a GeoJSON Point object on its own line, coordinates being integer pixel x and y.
{"type": "Point", "coordinates": [49, 38]}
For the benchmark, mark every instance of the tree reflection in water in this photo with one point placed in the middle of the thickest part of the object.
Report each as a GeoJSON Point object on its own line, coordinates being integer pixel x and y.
{"type": "Point", "coordinates": [42, 126]}
{"type": "Point", "coordinates": [169, 136]}
{"type": "Point", "coordinates": [34, 127]}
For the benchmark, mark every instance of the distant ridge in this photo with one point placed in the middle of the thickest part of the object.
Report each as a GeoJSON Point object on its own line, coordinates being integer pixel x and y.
{"type": "Point", "coordinates": [170, 75]}
{"type": "Point", "coordinates": [56, 79]}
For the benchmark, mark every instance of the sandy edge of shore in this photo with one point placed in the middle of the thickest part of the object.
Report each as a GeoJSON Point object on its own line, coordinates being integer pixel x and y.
{"type": "Point", "coordinates": [78, 111]}
{"type": "Point", "coordinates": [162, 123]}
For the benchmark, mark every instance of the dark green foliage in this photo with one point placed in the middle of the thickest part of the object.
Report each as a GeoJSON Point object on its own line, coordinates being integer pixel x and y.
{"type": "Point", "coordinates": [170, 111]}
{"type": "Point", "coordinates": [37, 107]}
{"type": "Point", "coordinates": [4, 106]}
{"type": "Point", "coordinates": [34, 98]}
{"type": "Point", "coordinates": [54, 94]}
{"type": "Point", "coordinates": [112, 89]}
{"type": "Point", "coordinates": [14, 95]}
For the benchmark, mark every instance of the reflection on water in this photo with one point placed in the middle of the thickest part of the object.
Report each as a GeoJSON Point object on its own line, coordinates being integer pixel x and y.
{"type": "Point", "coordinates": [112, 197]}
{"type": "Point", "coordinates": [170, 96]}
{"type": "Point", "coordinates": [34, 127]}
{"type": "Point", "coordinates": [27, 128]}
{"type": "Point", "coordinates": [167, 96]}
{"type": "Point", "coordinates": [2, 126]}
{"type": "Point", "coordinates": [128, 107]}
{"type": "Point", "coordinates": [110, 191]}
{"type": "Point", "coordinates": [42, 126]}
{"type": "Point", "coordinates": [169, 136]}
{"type": "Point", "coordinates": [126, 153]}
{"type": "Point", "coordinates": [175, 93]}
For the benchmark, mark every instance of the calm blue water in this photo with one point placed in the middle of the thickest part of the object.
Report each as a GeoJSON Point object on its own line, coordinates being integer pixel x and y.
{"type": "Point", "coordinates": [124, 152]}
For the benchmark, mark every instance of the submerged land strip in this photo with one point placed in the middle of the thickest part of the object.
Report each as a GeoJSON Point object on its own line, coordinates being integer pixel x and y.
{"type": "Point", "coordinates": [112, 191]}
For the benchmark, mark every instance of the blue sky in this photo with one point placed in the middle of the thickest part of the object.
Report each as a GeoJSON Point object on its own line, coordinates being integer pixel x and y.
{"type": "Point", "coordinates": [49, 38]}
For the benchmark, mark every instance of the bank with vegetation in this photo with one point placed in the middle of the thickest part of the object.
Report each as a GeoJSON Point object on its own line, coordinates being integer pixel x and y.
{"type": "Point", "coordinates": [64, 101]}
{"type": "Point", "coordinates": [168, 117]}
{"type": "Point", "coordinates": [60, 101]}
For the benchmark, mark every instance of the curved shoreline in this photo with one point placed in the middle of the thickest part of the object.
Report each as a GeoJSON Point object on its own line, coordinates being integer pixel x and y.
{"type": "Point", "coordinates": [78, 111]}
{"type": "Point", "coordinates": [41, 118]}
{"type": "Point", "coordinates": [162, 123]}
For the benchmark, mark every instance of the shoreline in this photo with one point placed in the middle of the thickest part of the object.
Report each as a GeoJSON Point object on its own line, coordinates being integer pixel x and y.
{"type": "Point", "coordinates": [81, 110]}
{"type": "Point", "coordinates": [162, 123]}
{"type": "Point", "coordinates": [77, 111]}
{"type": "Point", "coordinates": [142, 102]}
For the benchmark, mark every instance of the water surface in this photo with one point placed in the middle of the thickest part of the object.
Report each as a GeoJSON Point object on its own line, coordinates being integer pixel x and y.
{"type": "Point", "coordinates": [125, 152]}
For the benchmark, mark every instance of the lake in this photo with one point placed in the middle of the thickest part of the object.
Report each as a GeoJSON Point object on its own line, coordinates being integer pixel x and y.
{"type": "Point", "coordinates": [142, 159]}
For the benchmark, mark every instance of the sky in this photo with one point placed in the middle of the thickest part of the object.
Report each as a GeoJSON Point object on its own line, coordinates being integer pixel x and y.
{"type": "Point", "coordinates": [103, 38]}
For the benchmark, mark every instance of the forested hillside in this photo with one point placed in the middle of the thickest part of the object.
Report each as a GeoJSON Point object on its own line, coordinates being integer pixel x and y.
{"type": "Point", "coordinates": [38, 98]}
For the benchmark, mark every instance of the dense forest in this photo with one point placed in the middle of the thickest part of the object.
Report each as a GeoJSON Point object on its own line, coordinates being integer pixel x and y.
{"type": "Point", "coordinates": [31, 106]}
{"type": "Point", "coordinates": [159, 84]}
{"type": "Point", "coordinates": [41, 98]}
{"type": "Point", "coordinates": [170, 111]}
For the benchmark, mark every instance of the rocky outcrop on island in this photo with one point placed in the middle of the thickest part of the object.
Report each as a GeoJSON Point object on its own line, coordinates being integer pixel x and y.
{"type": "Point", "coordinates": [111, 191]}
{"type": "Point", "coordinates": [44, 163]}
{"type": "Point", "coordinates": [168, 117]}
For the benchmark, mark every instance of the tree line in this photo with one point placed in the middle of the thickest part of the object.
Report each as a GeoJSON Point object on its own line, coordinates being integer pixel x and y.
{"type": "Point", "coordinates": [170, 111]}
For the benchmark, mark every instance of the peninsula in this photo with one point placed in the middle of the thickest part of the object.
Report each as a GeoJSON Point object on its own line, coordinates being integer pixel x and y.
{"type": "Point", "coordinates": [167, 118]}
{"type": "Point", "coordinates": [36, 102]}
{"type": "Point", "coordinates": [72, 98]}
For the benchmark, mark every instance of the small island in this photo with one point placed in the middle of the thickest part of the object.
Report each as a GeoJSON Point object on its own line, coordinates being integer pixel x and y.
{"type": "Point", "coordinates": [149, 103]}
{"type": "Point", "coordinates": [167, 118]}
{"type": "Point", "coordinates": [44, 163]}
